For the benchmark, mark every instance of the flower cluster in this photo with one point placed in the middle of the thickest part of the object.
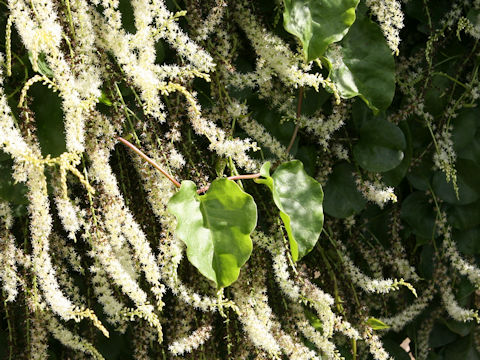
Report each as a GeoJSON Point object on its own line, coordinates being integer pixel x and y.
{"type": "Point", "coordinates": [214, 91]}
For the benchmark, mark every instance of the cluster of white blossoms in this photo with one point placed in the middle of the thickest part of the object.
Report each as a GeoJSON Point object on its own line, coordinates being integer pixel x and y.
{"type": "Point", "coordinates": [97, 214]}
{"type": "Point", "coordinates": [465, 268]}
{"type": "Point", "coordinates": [256, 315]}
{"type": "Point", "coordinates": [275, 57]}
{"type": "Point", "coordinates": [379, 286]}
{"type": "Point", "coordinates": [192, 342]}
{"type": "Point", "coordinates": [376, 192]}
{"type": "Point", "coordinates": [453, 308]}
{"type": "Point", "coordinates": [400, 320]}
{"type": "Point", "coordinates": [257, 131]}
{"type": "Point", "coordinates": [390, 16]}
{"type": "Point", "coordinates": [375, 346]}
{"type": "Point", "coordinates": [444, 157]}
{"type": "Point", "coordinates": [8, 266]}
{"type": "Point", "coordinates": [310, 295]}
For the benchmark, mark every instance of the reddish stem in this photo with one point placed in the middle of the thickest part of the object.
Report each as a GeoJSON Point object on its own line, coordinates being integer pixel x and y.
{"type": "Point", "coordinates": [237, 177]}
{"type": "Point", "coordinates": [150, 161]}
{"type": "Point", "coordinates": [299, 112]}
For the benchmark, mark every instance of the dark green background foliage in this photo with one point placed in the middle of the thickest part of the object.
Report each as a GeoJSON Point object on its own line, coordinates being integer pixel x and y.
{"type": "Point", "coordinates": [382, 133]}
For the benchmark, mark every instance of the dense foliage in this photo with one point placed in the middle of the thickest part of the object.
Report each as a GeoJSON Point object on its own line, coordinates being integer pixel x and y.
{"type": "Point", "coordinates": [311, 188]}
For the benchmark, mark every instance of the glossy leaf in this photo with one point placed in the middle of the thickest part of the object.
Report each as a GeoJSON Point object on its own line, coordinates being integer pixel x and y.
{"type": "Point", "coordinates": [466, 135]}
{"type": "Point", "coordinates": [444, 190]}
{"type": "Point", "coordinates": [465, 217]}
{"type": "Point", "coordinates": [458, 327]}
{"type": "Point", "coordinates": [467, 240]}
{"type": "Point", "coordinates": [363, 65]}
{"type": "Point", "coordinates": [441, 336]}
{"type": "Point", "coordinates": [215, 227]}
{"type": "Point", "coordinates": [468, 182]}
{"type": "Point", "coordinates": [464, 348]}
{"type": "Point", "coordinates": [394, 350]}
{"type": "Point", "coordinates": [342, 199]}
{"type": "Point", "coordinates": [420, 175]}
{"type": "Point", "coordinates": [380, 147]}
{"type": "Point", "coordinates": [318, 23]}
{"type": "Point", "coordinates": [418, 213]}
{"type": "Point", "coordinates": [299, 198]}
{"type": "Point", "coordinates": [376, 324]}
{"type": "Point", "coordinates": [395, 176]}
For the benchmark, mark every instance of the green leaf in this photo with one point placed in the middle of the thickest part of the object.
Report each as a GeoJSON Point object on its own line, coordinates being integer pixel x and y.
{"type": "Point", "coordinates": [418, 213]}
{"type": "Point", "coordinates": [458, 327]}
{"type": "Point", "coordinates": [363, 65]}
{"type": "Point", "coordinates": [465, 217]}
{"type": "Point", "coordinates": [468, 181]}
{"type": "Point", "coordinates": [441, 336]}
{"type": "Point", "coordinates": [380, 147]}
{"type": "Point", "coordinates": [313, 320]}
{"type": "Point", "coordinates": [463, 348]}
{"type": "Point", "coordinates": [43, 67]}
{"type": "Point", "coordinates": [376, 324]}
{"type": "Point", "coordinates": [394, 350]}
{"type": "Point", "coordinates": [426, 266]}
{"type": "Point", "coordinates": [395, 176]}
{"type": "Point", "coordinates": [420, 174]}
{"type": "Point", "coordinates": [318, 23]}
{"type": "Point", "coordinates": [299, 198]}
{"type": "Point", "coordinates": [10, 191]}
{"type": "Point", "coordinates": [466, 135]}
{"type": "Point", "coordinates": [47, 106]}
{"type": "Point", "coordinates": [444, 190]}
{"type": "Point", "coordinates": [103, 98]}
{"type": "Point", "coordinates": [342, 199]}
{"type": "Point", "coordinates": [467, 240]}
{"type": "Point", "coordinates": [215, 227]}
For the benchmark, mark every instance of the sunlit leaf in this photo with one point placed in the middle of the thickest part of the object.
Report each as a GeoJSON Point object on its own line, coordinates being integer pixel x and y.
{"type": "Point", "coordinates": [215, 227]}
{"type": "Point", "coordinates": [376, 324]}
{"type": "Point", "coordinates": [299, 198]}
{"type": "Point", "coordinates": [363, 65]}
{"type": "Point", "coordinates": [318, 23]}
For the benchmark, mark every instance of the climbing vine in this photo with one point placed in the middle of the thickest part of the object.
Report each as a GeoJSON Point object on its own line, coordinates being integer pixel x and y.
{"type": "Point", "coordinates": [239, 180]}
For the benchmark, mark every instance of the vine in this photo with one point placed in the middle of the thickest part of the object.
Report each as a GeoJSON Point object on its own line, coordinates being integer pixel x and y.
{"type": "Point", "coordinates": [329, 155]}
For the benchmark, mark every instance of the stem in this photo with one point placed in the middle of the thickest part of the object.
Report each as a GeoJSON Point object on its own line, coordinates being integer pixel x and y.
{"type": "Point", "coordinates": [150, 161]}
{"type": "Point", "coordinates": [299, 111]}
{"type": "Point", "coordinates": [247, 176]}
{"type": "Point", "coordinates": [236, 177]}
{"type": "Point", "coordinates": [10, 332]}
{"type": "Point", "coordinates": [354, 349]}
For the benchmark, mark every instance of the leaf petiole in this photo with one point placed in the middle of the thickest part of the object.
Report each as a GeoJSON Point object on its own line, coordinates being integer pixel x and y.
{"type": "Point", "coordinates": [149, 160]}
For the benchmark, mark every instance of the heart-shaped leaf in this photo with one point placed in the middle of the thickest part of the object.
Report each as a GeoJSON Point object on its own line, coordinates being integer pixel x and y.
{"type": "Point", "coordinates": [318, 23]}
{"type": "Point", "coordinates": [299, 198]}
{"type": "Point", "coordinates": [418, 213]}
{"type": "Point", "coordinates": [342, 199]}
{"type": "Point", "coordinates": [380, 147]}
{"type": "Point", "coordinates": [216, 228]}
{"type": "Point", "coordinates": [394, 177]}
{"type": "Point", "coordinates": [363, 65]}
{"type": "Point", "coordinates": [466, 135]}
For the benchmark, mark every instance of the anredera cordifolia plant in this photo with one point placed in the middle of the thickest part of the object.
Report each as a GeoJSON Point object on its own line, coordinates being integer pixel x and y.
{"type": "Point", "coordinates": [330, 204]}
{"type": "Point", "coordinates": [216, 227]}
